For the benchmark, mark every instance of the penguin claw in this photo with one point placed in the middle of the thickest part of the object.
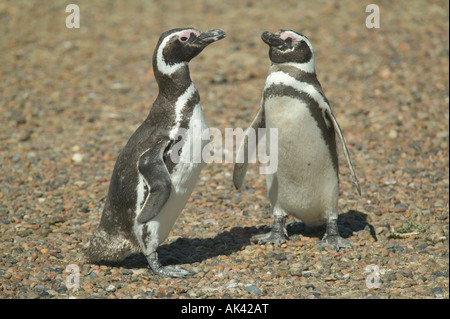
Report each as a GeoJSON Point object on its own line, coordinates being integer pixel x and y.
{"type": "Point", "coordinates": [335, 242]}
{"type": "Point", "coordinates": [167, 271]}
{"type": "Point", "coordinates": [173, 271]}
{"type": "Point", "coordinates": [273, 237]}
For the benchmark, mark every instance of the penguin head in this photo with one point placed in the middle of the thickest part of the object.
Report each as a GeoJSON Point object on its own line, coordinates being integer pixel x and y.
{"type": "Point", "coordinates": [287, 46]}
{"type": "Point", "coordinates": [177, 47]}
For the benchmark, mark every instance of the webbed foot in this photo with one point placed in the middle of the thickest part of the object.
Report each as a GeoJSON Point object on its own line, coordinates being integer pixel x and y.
{"type": "Point", "coordinates": [335, 242]}
{"type": "Point", "coordinates": [332, 239]}
{"type": "Point", "coordinates": [167, 271]}
{"type": "Point", "coordinates": [273, 237]}
{"type": "Point", "coordinates": [278, 235]}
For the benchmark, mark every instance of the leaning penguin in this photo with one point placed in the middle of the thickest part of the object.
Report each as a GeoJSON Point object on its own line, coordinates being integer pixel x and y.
{"type": "Point", "coordinates": [306, 184]}
{"type": "Point", "coordinates": [155, 173]}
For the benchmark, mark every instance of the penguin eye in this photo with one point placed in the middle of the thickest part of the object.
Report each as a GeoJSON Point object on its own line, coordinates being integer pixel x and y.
{"type": "Point", "coordinates": [183, 39]}
{"type": "Point", "coordinates": [288, 40]}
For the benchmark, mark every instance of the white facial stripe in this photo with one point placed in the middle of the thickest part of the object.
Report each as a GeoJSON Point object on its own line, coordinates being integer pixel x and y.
{"type": "Point", "coordinates": [179, 105]}
{"type": "Point", "coordinates": [309, 66]}
{"type": "Point", "coordinates": [280, 77]}
{"type": "Point", "coordinates": [160, 61]}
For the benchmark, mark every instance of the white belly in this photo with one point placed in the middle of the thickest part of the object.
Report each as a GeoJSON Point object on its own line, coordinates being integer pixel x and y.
{"type": "Point", "coordinates": [305, 184]}
{"type": "Point", "coordinates": [184, 177]}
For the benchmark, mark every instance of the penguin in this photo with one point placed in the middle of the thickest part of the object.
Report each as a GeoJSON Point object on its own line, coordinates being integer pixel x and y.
{"type": "Point", "coordinates": [305, 184]}
{"type": "Point", "coordinates": [150, 184]}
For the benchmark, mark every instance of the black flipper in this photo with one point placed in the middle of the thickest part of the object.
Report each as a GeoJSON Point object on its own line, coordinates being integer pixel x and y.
{"type": "Point", "coordinates": [240, 169]}
{"type": "Point", "coordinates": [338, 131]}
{"type": "Point", "coordinates": [154, 172]}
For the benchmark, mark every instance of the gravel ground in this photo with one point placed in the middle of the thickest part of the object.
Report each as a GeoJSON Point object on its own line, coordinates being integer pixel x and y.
{"type": "Point", "coordinates": [71, 98]}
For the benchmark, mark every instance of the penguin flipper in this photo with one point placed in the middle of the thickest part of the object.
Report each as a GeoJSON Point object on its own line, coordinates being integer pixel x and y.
{"type": "Point", "coordinates": [338, 131]}
{"type": "Point", "coordinates": [240, 168]}
{"type": "Point", "coordinates": [152, 168]}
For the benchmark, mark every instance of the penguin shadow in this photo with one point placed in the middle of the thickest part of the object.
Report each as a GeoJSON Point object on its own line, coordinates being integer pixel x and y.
{"type": "Point", "coordinates": [349, 223]}
{"type": "Point", "coordinates": [196, 250]}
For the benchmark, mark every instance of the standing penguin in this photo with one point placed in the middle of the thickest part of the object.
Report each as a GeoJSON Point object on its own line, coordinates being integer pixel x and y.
{"type": "Point", "coordinates": [306, 183]}
{"type": "Point", "coordinates": [150, 185]}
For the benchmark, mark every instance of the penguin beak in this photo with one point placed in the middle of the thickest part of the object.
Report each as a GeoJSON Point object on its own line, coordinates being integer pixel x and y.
{"type": "Point", "coordinates": [274, 40]}
{"type": "Point", "coordinates": [208, 37]}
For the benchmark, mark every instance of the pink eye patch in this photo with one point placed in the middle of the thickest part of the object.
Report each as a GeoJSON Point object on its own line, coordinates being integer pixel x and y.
{"type": "Point", "coordinates": [187, 34]}
{"type": "Point", "coordinates": [288, 34]}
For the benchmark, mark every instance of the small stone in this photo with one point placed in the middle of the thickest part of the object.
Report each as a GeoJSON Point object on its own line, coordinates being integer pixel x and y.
{"type": "Point", "coordinates": [10, 260]}
{"type": "Point", "coordinates": [92, 275]}
{"type": "Point", "coordinates": [252, 288]}
{"type": "Point", "coordinates": [314, 294]}
{"type": "Point", "coordinates": [393, 134]}
{"type": "Point", "coordinates": [438, 293]}
{"type": "Point", "coordinates": [209, 221]}
{"type": "Point", "coordinates": [41, 290]}
{"type": "Point", "coordinates": [52, 292]}
{"type": "Point", "coordinates": [298, 244]}
{"type": "Point", "coordinates": [280, 257]}
{"type": "Point", "coordinates": [77, 157]}
{"type": "Point", "coordinates": [15, 158]}
{"type": "Point", "coordinates": [295, 268]}
{"type": "Point", "coordinates": [80, 184]}
{"type": "Point", "coordinates": [385, 73]}
{"type": "Point", "coordinates": [389, 181]}
{"type": "Point", "coordinates": [439, 274]}
{"type": "Point", "coordinates": [399, 208]}
{"type": "Point", "coordinates": [110, 288]}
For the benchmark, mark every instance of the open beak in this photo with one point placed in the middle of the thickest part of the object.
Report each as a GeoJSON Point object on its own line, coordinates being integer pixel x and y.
{"type": "Point", "coordinates": [208, 37]}
{"type": "Point", "coordinates": [274, 40]}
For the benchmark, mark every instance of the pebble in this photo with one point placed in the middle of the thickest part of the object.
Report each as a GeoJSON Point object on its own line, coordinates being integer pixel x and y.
{"type": "Point", "coordinates": [393, 134]}
{"type": "Point", "coordinates": [110, 288]}
{"type": "Point", "coordinates": [438, 292]}
{"type": "Point", "coordinates": [77, 157]}
{"type": "Point", "coordinates": [252, 288]}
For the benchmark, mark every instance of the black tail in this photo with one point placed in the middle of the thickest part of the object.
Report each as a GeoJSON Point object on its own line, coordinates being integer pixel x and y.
{"type": "Point", "coordinates": [106, 247]}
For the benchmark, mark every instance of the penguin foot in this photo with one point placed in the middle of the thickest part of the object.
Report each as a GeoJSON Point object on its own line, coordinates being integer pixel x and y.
{"type": "Point", "coordinates": [335, 242]}
{"type": "Point", "coordinates": [167, 271]}
{"type": "Point", "coordinates": [172, 271]}
{"type": "Point", "coordinates": [274, 237]}
{"type": "Point", "coordinates": [278, 234]}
